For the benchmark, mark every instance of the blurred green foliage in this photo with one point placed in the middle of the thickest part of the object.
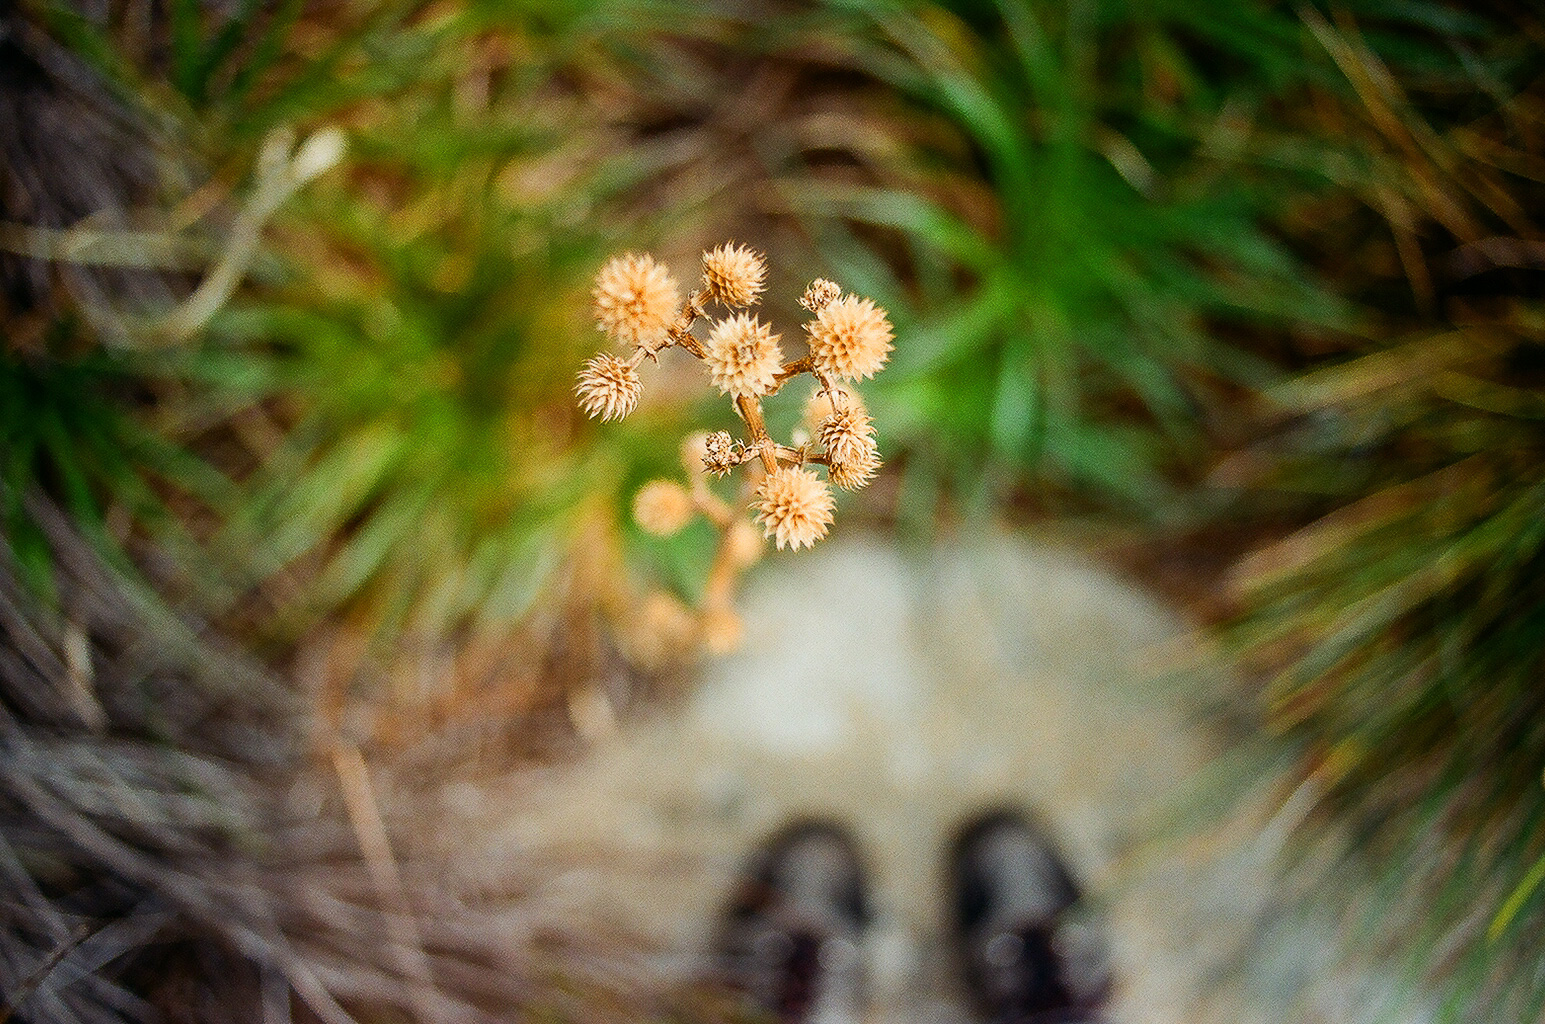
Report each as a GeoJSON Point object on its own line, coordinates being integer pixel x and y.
{"type": "Point", "coordinates": [381, 423]}
{"type": "Point", "coordinates": [1402, 635]}
{"type": "Point", "coordinates": [1401, 630]}
{"type": "Point", "coordinates": [73, 424]}
{"type": "Point", "coordinates": [1071, 331]}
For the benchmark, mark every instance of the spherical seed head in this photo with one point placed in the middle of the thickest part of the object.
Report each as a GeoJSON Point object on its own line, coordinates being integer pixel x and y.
{"type": "Point", "coordinates": [743, 356]}
{"type": "Point", "coordinates": [662, 630]}
{"type": "Point", "coordinates": [719, 453]}
{"type": "Point", "coordinates": [694, 452]}
{"type": "Point", "coordinates": [855, 473]}
{"type": "Point", "coordinates": [721, 630]}
{"type": "Point", "coordinates": [608, 387]}
{"type": "Point", "coordinates": [662, 508]}
{"type": "Point", "coordinates": [822, 404]}
{"type": "Point", "coordinates": [848, 436]}
{"type": "Point", "coordinates": [820, 294]}
{"type": "Point", "coordinates": [794, 507]}
{"type": "Point", "coordinates": [743, 544]}
{"type": "Point", "coordinates": [850, 338]}
{"type": "Point", "coordinates": [733, 275]}
{"type": "Point", "coordinates": [635, 299]}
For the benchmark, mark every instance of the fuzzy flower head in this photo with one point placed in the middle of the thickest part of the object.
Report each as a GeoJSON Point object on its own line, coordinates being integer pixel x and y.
{"type": "Point", "coordinates": [608, 387]}
{"type": "Point", "coordinates": [733, 275]}
{"type": "Point", "coordinates": [743, 544]}
{"type": "Point", "coordinates": [694, 452]}
{"type": "Point", "coordinates": [662, 508]}
{"type": "Point", "coordinates": [720, 453]}
{"type": "Point", "coordinates": [850, 338]}
{"type": "Point", "coordinates": [820, 294]}
{"type": "Point", "coordinates": [822, 404]}
{"type": "Point", "coordinates": [794, 507]}
{"type": "Point", "coordinates": [857, 469]}
{"type": "Point", "coordinates": [848, 436]}
{"type": "Point", "coordinates": [743, 356]}
{"type": "Point", "coordinates": [662, 630]}
{"type": "Point", "coordinates": [721, 630]}
{"type": "Point", "coordinates": [635, 300]}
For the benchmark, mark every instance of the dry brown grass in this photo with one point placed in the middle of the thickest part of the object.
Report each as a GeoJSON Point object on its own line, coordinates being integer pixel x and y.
{"type": "Point", "coordinates": [173, 848]}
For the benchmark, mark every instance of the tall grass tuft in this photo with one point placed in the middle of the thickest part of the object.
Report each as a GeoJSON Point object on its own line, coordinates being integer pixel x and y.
{"type": "Point", "coordinates": [1076, 241]}
{"type": "Point", "coordinates": [1400, 632]}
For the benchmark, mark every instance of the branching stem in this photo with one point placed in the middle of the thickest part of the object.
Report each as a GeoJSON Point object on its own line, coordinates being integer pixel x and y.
{"type": "Point", "coordinates": [793, 369]}
{"type": "Point", "coordinates": [681, 331]}
{"type": "Point", "coordinates": [751, 411]}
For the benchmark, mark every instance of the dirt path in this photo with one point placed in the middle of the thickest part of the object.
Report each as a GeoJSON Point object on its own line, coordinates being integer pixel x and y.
{"type": "Point", "coordinates": [899, 693]}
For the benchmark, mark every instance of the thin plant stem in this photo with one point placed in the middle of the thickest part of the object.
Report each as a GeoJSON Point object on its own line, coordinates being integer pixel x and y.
{"type": "Point", "coordinates": [751, 411]}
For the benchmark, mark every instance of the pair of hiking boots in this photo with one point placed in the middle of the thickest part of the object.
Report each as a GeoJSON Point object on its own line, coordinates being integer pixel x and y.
{"type": "Point", "coordinates": [791, 937]}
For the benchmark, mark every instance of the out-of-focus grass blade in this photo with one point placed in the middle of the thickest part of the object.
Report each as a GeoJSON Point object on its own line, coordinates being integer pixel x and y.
{"type": "Point", "coordinates": [185, 18]}
{"type": "Point", "coordinates": [1016, 404]}
{"type": "Point", "coordinates": [1409, 364]}
{"type": "Point", "coordinates": [266, 49]}
{"type": "Point", "coordinates": [363, 554]}
{"type": "Point", "coordinates": [956, 333]}
{"type": "Point", "coordinates": [931, 224]}
{"type": "Point", "coordinates": [521, 568]}
{"type": "Point", "coordinates": [305, 509]}
{"type": "Point", "coordinates": [232, 32]}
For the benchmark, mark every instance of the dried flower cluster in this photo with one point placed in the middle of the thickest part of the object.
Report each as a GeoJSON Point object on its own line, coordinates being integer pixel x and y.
{"type": "Point", "coordinates": [637, 303]}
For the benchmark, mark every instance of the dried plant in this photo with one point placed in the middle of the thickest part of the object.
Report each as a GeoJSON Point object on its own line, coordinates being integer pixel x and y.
{"type": "Point", "coordinates": [637, 303]}
{"type": "Point", "coordinates": [168, 851]}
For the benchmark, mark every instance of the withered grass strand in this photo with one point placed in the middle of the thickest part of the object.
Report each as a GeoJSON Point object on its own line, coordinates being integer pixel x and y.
{"type": "Point", "coordinates": [173, 817]}
{"type": "Point", "coordinates": [638, 303]}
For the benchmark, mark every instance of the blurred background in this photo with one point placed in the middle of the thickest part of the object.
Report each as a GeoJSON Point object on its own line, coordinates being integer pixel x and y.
{"type": "Point", "coordinates": [315, 583]}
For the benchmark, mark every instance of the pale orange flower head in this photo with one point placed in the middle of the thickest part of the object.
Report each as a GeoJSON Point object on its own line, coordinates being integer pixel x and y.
{"type": "Point", "coordinates": [743, 356]}
{"type": "Point", "coordinates": [822, 404]}
{"type": "Point", "coordinates": [850, 338]}
{"type": "Point", "coordinates": [820, 294]}
{"type": "Point", "coordinates": [635, 300]}
{"type": "Point", "coordinates": [694, 452]}
{"type": "Point", "coordinates": [743, 544]}
{"type": "Point", "coordinates": [857, 471]}
{"type": "Point", "coordinates": [721, 630]}
{"type": "Point", "coordinates": [794, 507]}
{"type": "Point", "coordinates": [608, 387]}
{"type": "Point", "coordinates": [661, 632]}
{"type": "Point", "coordinates": [662, 508]}
{"type": "Point", "coordinates": [853, 459]}
{"type": "Point", "coordinates": [720, 453]}
{"type": "Point", "coordinates": [733, 275]}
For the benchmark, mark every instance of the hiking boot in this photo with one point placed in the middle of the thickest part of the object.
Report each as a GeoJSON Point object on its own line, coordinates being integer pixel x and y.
{"type": "Point", "coordinates": [1026, 952]}
{"type": "Point", "coordinates": [790, 937]}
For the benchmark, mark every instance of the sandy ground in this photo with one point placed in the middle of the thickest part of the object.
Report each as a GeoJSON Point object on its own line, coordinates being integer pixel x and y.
{"type": "Point", "coordinates": [899, 693]}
